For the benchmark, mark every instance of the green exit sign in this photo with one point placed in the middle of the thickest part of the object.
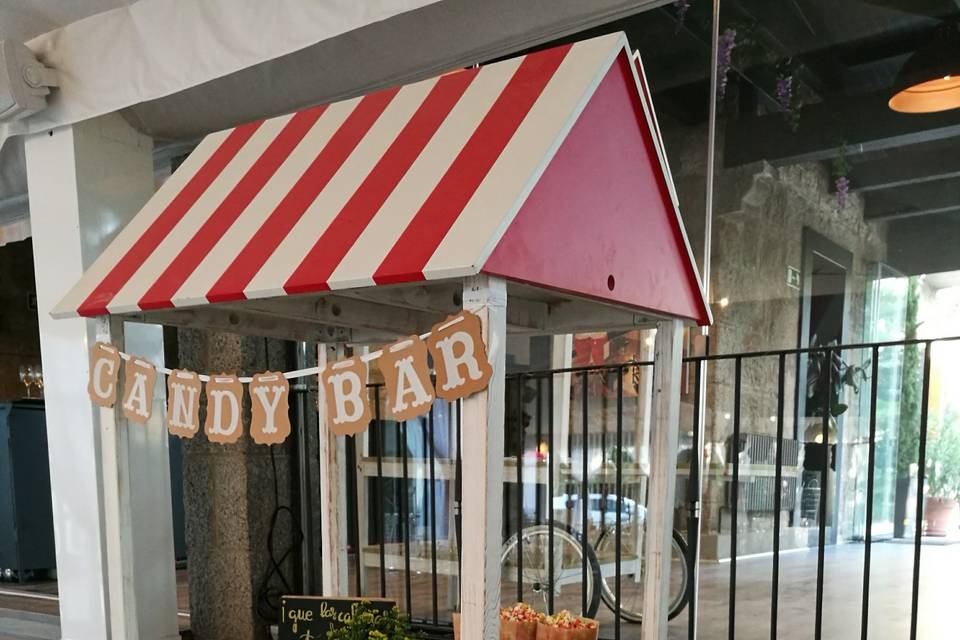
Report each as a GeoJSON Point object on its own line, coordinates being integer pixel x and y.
{"type": "Point", "coordinates": [793, 277]}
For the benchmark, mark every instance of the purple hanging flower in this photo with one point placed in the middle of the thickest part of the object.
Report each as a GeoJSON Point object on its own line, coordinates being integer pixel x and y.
{"type": "Point", "coordinates": [785, 93]}
{"type": "Point", "coordinates": [682, 7]}
{"type": "Point", "coordinates": [842, 185]}
{"type": "Point", "coordinates": [728, 40]}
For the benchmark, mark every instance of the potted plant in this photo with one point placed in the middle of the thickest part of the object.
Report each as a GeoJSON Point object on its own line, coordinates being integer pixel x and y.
{"type": "Point", "coordinates": [942, 509]}
{"type": "Point", "coordinates": [829, 375]}
{"type": "Point", "coordinates": [368, 623]}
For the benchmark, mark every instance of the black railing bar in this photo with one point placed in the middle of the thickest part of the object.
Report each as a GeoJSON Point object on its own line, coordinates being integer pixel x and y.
{"type": "Point", "coordinates": [431, 449]}
{"type": "Point", "coordinates": [538, 506]}
{"type": "Point", "coordinates": [619, 479]}
{"type": "Point", "coordinates": [458, 496]}
{"type": "Point", "coordinates": [693, 517]}
{"type": "Point", "coordinates": [584, 491]}
{"type": "Point", "coordinates": [355, 478]}
{"type": "Point", "coordinates": [778, 497]}
{"type": "Point", "coordinates": [550, 489]}
{"type": "Point", "coordinates": [822, 513]}
{"type": "Point", "coordinates": [921, 480]}
{"type": "Point", "coordinates": [381, 445]}
{"type": "Point", "coordinates": [839, 347]}
{"type": "Point", "coordinates": [735, 500]}
{"type": "Point", "coordinates": [519, 488]}
{"type": "Point", "coordinates": [871, 461]}
{"type": "Point", "coordinates": [405, 515]}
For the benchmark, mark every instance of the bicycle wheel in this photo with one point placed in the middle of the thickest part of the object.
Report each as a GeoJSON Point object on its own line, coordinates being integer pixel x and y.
{"type": "Point", "coordinates": [567, 584]}
{"type": "Point", "coordinates": [632, 574]}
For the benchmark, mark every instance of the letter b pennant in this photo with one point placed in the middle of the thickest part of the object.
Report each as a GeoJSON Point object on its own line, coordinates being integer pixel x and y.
{"type": "Point", "coordinates": [345, 387]}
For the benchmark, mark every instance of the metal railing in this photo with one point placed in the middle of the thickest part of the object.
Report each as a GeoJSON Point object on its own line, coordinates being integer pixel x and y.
{"type": "Point", "coordinates": [405, 523]}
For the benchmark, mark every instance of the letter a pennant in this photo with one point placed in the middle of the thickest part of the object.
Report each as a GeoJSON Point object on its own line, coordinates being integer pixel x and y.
{"type": "Point", "coordinates": [407, 374]}
{"type": "Point", "coordinates": [138, 379]}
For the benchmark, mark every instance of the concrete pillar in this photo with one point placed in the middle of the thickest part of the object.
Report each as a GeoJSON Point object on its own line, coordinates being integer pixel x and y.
{"type": "Point", "coordinates": [113, 526]}
{"type": "Point", "coordinates": [229, 500]}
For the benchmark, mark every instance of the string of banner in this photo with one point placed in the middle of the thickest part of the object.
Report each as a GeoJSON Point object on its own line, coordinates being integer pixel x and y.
{"type": "Point", "coordinates": [456, 345]}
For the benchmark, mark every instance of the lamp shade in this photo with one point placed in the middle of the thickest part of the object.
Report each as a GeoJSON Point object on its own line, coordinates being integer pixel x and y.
{"type": "Point", "coordinates": [929, 80]}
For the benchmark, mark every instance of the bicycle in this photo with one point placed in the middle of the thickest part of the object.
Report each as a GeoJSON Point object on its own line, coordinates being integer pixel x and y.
{"type": "Point", "coordinates": [581, 574]}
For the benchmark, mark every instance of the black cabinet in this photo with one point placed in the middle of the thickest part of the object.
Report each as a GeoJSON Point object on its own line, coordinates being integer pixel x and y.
{"type": "Point", "coordinates": [26, 517]}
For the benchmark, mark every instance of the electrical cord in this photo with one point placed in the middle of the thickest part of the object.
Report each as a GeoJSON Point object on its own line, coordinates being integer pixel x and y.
{"type": "Point", "coordinates": [270, 592]}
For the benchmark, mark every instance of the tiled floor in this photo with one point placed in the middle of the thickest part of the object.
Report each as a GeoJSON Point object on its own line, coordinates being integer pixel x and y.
{"type": "Point", "coordinates": [34, 617]}
{"type": "Point", "coordinates": [30, 611]}
{"type": "Point", "coordinates": [889, 602]}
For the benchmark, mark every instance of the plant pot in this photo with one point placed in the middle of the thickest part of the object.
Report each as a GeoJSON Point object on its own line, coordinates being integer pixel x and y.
{"type": "Point", "coordinates": [942, 516]}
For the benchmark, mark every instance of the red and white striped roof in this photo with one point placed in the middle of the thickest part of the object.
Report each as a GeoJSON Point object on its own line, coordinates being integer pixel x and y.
{"type": "Point", "coordinates": [419, 182]}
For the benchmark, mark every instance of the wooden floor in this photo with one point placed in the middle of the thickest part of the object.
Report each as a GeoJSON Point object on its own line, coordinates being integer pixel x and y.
{"type": "Point", "coordinates": [29, 612]}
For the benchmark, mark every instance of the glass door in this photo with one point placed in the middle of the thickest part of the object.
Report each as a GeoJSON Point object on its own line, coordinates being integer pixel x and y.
{"type": "Point", "coordinates": [885, 319]}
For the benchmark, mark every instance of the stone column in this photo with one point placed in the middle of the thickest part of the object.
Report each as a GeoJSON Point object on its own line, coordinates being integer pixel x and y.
{"type": "Point", "coordinates": [229, 500]}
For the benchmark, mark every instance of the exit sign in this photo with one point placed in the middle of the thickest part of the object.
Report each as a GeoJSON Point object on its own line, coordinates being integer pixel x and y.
{"type": "Point", "coordinates": [793, 277]}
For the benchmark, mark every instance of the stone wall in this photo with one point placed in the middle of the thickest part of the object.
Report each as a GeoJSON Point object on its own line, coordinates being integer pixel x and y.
{"type": "Point", "coordinates": [19, 331]}
{"type": "Point", "coordinates": [229, 499]}
{"type": "Point", "coordinates": [760, 213]}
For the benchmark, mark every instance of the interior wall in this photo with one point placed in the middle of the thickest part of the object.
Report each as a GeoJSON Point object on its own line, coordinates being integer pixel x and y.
{"type": "Point", "coordinates": [19, 331]}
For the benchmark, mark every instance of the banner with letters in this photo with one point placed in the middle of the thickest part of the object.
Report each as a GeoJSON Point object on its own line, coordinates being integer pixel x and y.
{"type": "Point", "coordinates": [455, 347]}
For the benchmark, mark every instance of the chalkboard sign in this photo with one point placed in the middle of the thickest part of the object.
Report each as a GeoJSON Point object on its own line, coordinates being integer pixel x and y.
{"type": "Point", "coordinates": [310, 617]}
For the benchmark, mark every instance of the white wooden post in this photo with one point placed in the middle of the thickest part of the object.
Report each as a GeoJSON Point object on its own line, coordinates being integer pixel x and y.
{"type": "Point", "coordinates": [482, 495]}
{"type": "Point", "coordinates": [116, 506]}
{"type": "Point", "coordinates": [333, 500]}
{"type": "Point", "coordinates": [361, 449]}
{"type": "Point", "coordinates": [663, 469]}
{"type": "Point", "coordinates": [109, 479]}
{"type": "Point", "coordinates": [561, 357]}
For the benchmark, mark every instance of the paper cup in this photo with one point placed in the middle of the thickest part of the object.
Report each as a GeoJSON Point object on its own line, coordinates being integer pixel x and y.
{"type": "Point", "coordinates": [545, 632]}
{"type": "Point", "coordinates": [516, 630]}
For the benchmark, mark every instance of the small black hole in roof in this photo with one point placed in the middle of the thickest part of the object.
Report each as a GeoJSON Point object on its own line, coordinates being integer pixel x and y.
{"type": "Point", "coordinates": [611, 282]}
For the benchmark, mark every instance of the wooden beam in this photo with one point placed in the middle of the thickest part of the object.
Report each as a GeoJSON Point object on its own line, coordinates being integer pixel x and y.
{"type": "Point", "coordinates": [920, 163]}
{"type": "Point", "coordinates": [482, 501]}
{"type": "Point", "coordinates": [357, 313]}
{"type": "Point", "coordinates": [117, 522]}
{"type": "Point", "coordinates": [663, 470]}
{"type": "Point", "coordinates": [246, 322]}
{"type": "Point", "coordinates": [926, 245]}
{"type": "Point", "coordinates": [561, 357]}
{"type": "Point", "coordinates": [865, 123]}
{"type": "Point", "coordinates": [333, 503]}
{"type": "Point", "coordinates": [913, 200]}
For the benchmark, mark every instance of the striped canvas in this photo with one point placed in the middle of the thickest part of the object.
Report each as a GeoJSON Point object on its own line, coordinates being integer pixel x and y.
{"type": "Point", "coordinates": [409, 183]}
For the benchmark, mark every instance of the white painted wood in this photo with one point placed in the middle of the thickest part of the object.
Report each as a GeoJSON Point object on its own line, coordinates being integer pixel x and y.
{"type": "Point", "coordinates": [116, 509]}
{"type": "Point", "coordinates": [561, 357]}
{"type": "Point", "coordinates": [333, 503]}
{"type": "Point", "coordinates": [663, 465]}
{"type": "Point", "coordinates": [86, 182]}
{"type": "Point", "coordinates": [482, 495]}
{"type": "Point", "coordinates": [363, 529]}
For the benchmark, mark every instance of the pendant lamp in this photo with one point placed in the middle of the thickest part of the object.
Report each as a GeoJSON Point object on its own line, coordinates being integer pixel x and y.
{"type": "Point", "coordinates": [929, 80]}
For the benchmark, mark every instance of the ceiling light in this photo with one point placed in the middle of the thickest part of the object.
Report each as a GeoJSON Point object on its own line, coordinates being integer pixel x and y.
{"type": "Point", "coordinates": [929, 80]}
